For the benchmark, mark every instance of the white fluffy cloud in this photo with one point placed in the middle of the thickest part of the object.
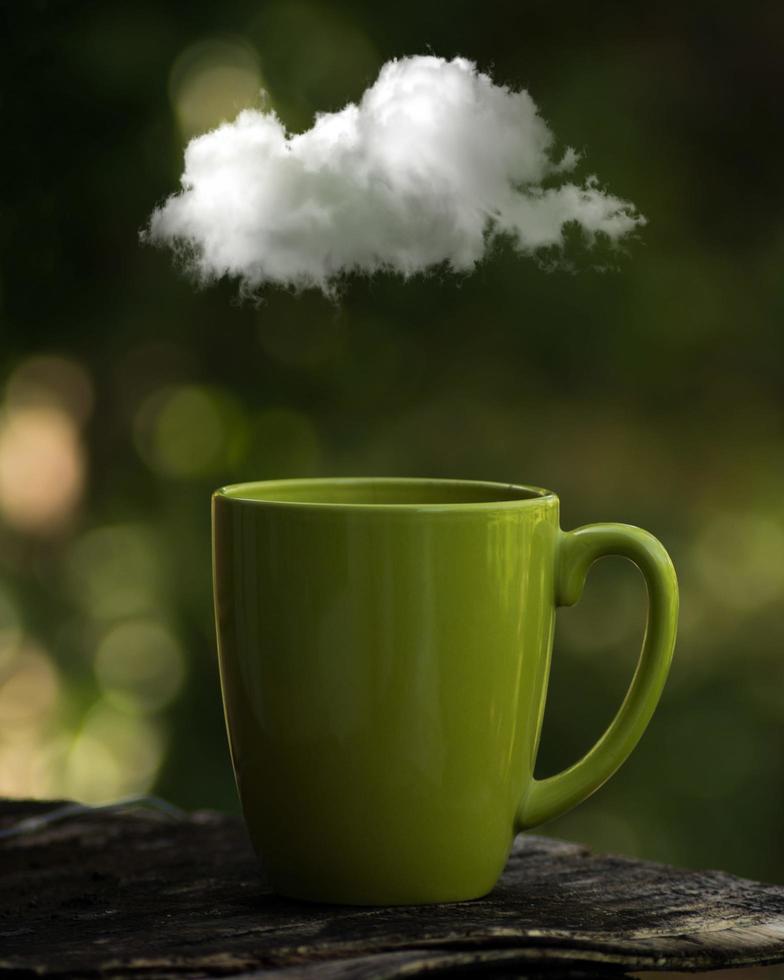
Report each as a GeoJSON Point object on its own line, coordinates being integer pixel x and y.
{"type": "Point", "coordinates": [432, 163]}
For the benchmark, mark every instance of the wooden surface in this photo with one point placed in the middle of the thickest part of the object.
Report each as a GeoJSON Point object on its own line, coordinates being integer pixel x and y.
{"type": "Point", "coordinates": [137, 894]}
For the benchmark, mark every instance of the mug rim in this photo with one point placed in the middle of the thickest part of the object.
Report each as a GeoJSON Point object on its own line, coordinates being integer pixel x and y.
{"type": "Point", "coordinates": [237, 493]}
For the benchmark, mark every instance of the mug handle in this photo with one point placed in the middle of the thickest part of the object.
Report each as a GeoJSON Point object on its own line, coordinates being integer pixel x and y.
{"type": "Point", "coordinates": [577, 551]}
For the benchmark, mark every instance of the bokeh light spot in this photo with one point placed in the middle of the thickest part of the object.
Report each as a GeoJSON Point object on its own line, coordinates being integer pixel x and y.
{"type": "Point", "coordinates": [42, 468]}
{"type": "Point", "coordinates": [314, 53]}
{"type": "Point", "coordinates": [140, 665]}
{"type": "Point", "coordinates": [52, 381]}
{"type": "Point", "coordinates": [10, 631]}
{"type": "Point", "coordinates": [738, 559]}
{"type": "Point", "coordinates": [114, 571]}
{"type": "Point", "coordinates": [211, 81]}
{"type": "Point", "coordinates": [29, 691]}
{"type": "Point", "coordinates": [30, 766]}
{"type": "Point", "coordinates": [189, 431]}
{"type": "Point", "coordinates": [114, 754]}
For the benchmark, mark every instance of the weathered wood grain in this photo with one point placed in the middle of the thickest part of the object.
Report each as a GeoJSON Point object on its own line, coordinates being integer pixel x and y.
{"type": "Point", "coordinates": [136, 895]}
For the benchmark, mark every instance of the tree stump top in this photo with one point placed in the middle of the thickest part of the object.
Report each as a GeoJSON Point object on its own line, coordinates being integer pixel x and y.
{"type": "Point", "coordinates": [132, 893]}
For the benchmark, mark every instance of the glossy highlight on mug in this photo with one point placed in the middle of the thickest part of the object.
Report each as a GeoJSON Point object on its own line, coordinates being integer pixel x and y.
{"type": "Point", "coordinates": [384, 649]}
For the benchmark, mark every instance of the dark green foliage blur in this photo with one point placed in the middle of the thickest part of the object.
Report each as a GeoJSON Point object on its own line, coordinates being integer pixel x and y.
{"type": "Point", "coordinates": [650, 392]}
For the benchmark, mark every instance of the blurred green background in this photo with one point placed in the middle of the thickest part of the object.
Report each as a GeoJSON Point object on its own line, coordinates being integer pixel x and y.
{"type": "Point", "coordinates": [651, 393]}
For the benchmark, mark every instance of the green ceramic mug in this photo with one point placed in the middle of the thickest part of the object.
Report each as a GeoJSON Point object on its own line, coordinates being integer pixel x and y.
{"type": "Point", "coordinates": [384, 650]}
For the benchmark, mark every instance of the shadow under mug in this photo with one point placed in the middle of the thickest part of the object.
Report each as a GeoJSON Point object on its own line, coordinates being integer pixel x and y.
{"type": "Point", "coordinates": [384, 649]}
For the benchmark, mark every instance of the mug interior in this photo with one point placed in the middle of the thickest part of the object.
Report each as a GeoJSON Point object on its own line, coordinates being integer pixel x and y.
{"type": "Point", "coordinates": [382, 492]}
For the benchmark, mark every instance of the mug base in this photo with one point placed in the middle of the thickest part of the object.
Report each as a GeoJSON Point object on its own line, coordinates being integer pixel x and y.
{"type": "Point", "coordinates": [424, 896]}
